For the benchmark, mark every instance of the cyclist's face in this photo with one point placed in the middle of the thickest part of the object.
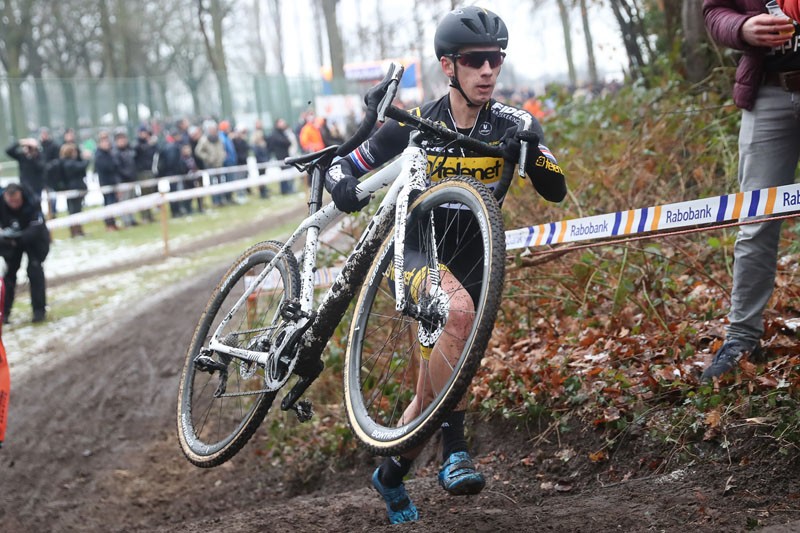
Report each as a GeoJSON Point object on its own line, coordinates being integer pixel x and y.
{"type": "Point", "coordinates": [477, 82]}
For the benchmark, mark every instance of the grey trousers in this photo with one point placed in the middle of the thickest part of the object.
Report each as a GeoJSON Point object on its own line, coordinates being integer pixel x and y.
{"type": "Point", "coordinates": [769, 147]}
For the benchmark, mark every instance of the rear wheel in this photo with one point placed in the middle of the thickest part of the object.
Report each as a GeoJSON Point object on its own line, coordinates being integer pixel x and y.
{"type": "Point", "coordinates": [405, 371]}
{"type": "Point", "coordinates": [222, 399]}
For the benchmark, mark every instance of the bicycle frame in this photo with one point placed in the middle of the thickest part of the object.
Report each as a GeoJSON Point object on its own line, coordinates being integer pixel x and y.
{"type": "Point", "coordinates": [406, 173]}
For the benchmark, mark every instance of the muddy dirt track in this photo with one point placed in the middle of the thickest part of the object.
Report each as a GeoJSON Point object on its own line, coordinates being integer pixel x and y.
{"type": "Point", "coordinates": [91, 447]}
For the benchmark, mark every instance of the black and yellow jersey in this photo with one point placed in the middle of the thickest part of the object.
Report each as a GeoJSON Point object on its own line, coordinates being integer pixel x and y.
{"type": "Point", "coordinates": [444, 158]}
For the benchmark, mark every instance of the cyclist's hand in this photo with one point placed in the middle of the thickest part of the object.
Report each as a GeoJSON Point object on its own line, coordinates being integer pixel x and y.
{"type": "Point", "coordinates": [375, 94]}
{"type": "Point", "coordinates": [511, 143]}
{"type": "Point", "coordinates": [344, 195]}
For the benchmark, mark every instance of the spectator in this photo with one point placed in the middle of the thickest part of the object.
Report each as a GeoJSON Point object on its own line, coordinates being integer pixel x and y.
{"type": "Point", "coordinates": [125, 158]}
{"type": "Point", "coordinates": [230, 157]}
{"type": "Point", "coordinates": [68, 173]}
{"type": "Point", "coordinates": [31, 165]}
{"type": "Point", "coordinates": [311, 136]}
{"type": "Point", "coordinates": [145, 153]}
{"type": "Point", "coordinates": [170, 165]}
{"type": "Point", "coordinates": [242, 149]}
{"type": "Point", "coordinates": [330, 133]}
{"type": "Point", "coordinates": [24, 231]}
{"type": "Point", "coordinates": [195, 134]}
{"type": "Point", "coordinates": [106, 168]}
{"type": "Point", "coordinates": [768, 154]}
{"type": "Point", "coordinates": [212, 153]}
{"type": "Point", "coordinates": [261, 153]}
{"type": "Point", "coordinates": [192, 180]}
{"type": "Point", "coordinates": [279, 143]}
{"type": "Point", "coordinates": [50, 150]}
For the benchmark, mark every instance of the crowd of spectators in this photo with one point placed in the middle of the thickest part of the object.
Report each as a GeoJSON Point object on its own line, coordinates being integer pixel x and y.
{"type": "Point", "coordinates": [126, 168]}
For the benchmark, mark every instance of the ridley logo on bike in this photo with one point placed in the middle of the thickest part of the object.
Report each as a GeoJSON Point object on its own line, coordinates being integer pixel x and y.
{"type": "Point", "coordinates": [485, 128]}
{"type": "Point", "coordinates": [389, 434]}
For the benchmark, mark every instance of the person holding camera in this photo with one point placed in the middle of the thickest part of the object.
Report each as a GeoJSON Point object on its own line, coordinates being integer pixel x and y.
{"type": "Point", "coordinates": [23, 230]}
{"type": "Point", "coordinates": [31, 164]}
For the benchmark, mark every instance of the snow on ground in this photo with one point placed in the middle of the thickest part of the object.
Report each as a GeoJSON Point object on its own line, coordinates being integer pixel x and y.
{"type": "Point", "coordinates": [79, 310]}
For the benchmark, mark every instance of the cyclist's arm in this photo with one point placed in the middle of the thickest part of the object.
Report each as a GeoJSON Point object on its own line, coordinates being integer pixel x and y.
{"type": "Point", "coordinates": [384, 145]}
{"type": "Point", "coordinates": [543, 169]}
{"type": "Point", "coordinates": [545, 173]}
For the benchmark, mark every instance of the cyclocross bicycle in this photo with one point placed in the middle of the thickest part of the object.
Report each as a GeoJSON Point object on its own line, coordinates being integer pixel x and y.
{"type": "Point", "coordinates": [261, 326]}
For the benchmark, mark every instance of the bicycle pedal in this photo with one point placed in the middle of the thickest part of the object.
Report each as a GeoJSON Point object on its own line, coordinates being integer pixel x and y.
{"type": "Point", "coordinates": [304, 410]}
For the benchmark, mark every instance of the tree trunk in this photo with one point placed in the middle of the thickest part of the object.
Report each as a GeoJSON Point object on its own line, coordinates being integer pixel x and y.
{"type": "Point", "coordinates": [591, 63]}
{"type": "Point", "coordinates": [565, 26]}
{"type": "Point", "coordinates": [629, 29]}
{"type": "Point", "coordinates": [18, 121]}
{"type": "Point", "coordinates": [335, 46]}
{"type": "Point", "coordinates": [216, 52]}
{"type": "Point", "coordinates": [695, 52]}
{"type": "Point", "coordinates": [70, 103]}
{"type": "Point", "coordinates": [109, 63]}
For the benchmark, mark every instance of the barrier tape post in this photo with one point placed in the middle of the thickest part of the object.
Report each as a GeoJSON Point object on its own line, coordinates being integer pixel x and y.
{"type": "Point", "coordinates": [163, 188]}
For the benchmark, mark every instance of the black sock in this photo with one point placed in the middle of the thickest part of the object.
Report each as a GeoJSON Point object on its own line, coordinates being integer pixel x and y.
{"type": "Point", "coordinates": [393, 470]}
{"type": "Point", "coordinates": [453, 439]}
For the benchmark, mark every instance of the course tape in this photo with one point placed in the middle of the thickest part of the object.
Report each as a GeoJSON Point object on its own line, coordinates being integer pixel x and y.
{"type": "Point", "coordinates": [712, 210]}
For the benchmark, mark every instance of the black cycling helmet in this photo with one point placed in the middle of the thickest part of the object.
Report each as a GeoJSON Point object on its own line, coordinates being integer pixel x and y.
{"type": "Point", "coordinates": [469, 26]}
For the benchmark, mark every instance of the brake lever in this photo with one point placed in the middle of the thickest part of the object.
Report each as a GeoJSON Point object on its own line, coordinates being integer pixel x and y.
{"type": "Point", "coordinates": [391, 91]}
{"type": "Point", "coordinates": [526, 121]}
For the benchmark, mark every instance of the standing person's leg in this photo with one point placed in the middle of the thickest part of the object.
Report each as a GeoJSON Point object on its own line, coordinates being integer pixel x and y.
{"type": "Point", "coordinates": [13, 259]}
{"type": "Point", "coordinates": [769, 146]}
{"type": "Point", "coordinates": [37, 286]}
{"type": "Point", "coordinates": [110, 198]}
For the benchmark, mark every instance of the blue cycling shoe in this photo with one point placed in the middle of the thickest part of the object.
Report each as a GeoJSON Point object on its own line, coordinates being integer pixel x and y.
{"type": "Point", "coordinates": [459, 477]}
{"type": "Point", "coordinates": [398, 505]}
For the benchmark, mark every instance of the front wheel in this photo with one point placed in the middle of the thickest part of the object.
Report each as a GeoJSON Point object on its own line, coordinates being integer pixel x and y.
{"type": "Point", "coordinates": [223, 399]}
{"type": "Point", "coordinates": [406, 370]}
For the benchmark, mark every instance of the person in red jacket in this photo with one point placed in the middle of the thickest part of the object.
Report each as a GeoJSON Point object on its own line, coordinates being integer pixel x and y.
{"type": "Point", "coordinates": [767, 89]}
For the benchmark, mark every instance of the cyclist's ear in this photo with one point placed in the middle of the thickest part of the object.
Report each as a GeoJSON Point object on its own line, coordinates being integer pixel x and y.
{"type": "Point", "coordinates": [376, 93]}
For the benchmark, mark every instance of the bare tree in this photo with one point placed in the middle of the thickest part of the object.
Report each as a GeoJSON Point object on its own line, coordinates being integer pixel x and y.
{"type": "Point", "coordinates": [212, 13]}
{"type": "Point", "coordinates": [695, 41]}
{"type": "Point", "coordinates": [630, 17]}
{"type": "Point", "coordinates": [563, 12]}
{"type": "Point", "coordinates": [335, 47]}
{"type": "Point", "coordinates": [15, 26]}
{"type": "Point", "coordinates": [587, 33]}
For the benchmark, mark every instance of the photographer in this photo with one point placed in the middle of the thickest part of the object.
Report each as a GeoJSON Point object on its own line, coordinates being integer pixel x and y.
{"type": "Point", "coordinates": [22, 230]}
{"type": "Point", "coordinates": [31, 164]}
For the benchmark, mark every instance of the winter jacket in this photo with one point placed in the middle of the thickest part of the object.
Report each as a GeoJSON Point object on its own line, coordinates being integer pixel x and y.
{"type": "Point", "coordinates": [66, 174]}
{"type": "Point", "coordinates": [125, 158]}
{"type": "Point", "coordinates": [211, 151]}
{"type": "Point", "coordinates": [724, 20]}
{"type": "Point", "coordinates": [145, 153]}
{"type": "Point", "coordinates": [31, 168]}
{"type": "Point", "coordinates": [170, 162]}
{"type": "Point", "coordinates": [278, 143]}
{"type": "Point", "coordinates": [106, 168]}
{"type": "Point", "coordinates": [29, 221]}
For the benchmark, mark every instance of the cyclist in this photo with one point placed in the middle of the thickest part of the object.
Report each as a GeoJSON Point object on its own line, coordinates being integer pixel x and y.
{"type": "Point", "coordinates": [469, 44]}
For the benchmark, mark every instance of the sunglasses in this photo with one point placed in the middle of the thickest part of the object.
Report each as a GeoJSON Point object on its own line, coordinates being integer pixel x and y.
{"type": "Point", "coordinates": [477, 59]}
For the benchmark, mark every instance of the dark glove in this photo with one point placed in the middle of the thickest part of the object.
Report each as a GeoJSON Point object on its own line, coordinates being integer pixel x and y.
{"type": "Point", "coordinates": [511, 143]}
{"type": "Point", "coordinates": [376, 93]}
{"type": "Point", "coordinates": [344, 195]}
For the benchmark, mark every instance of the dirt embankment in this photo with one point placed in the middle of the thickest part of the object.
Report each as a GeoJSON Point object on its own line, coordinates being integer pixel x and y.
{"type": "Point", "coordinates": [91, 446]}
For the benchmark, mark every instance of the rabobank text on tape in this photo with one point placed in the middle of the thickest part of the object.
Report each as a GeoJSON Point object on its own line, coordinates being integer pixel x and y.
{"type": "Point", "coordinates": [718, 209]}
